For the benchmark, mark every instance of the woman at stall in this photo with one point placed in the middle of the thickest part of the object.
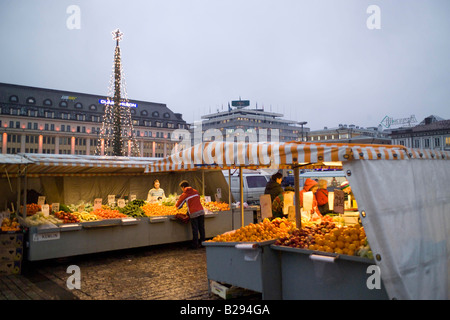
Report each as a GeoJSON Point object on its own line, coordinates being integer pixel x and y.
{"type": "Point", "coordinates": [156, 193]}
{"type": "Point", "coordinates": [278, 203]}
{"type": "Point", "coordinates": [322, 197]}
{"type": "Point", "coordinates": [310, 185]}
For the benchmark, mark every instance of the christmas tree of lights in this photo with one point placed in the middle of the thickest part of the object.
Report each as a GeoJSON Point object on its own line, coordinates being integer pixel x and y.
{"type": "Point", "coordinates": [117, 136]}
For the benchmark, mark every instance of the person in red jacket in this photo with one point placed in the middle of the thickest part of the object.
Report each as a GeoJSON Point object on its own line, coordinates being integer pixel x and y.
{"type": "Point", "coordinates": [310, 185]}
{"type": "Point", "coordinates": [322, 197]}
{"type": "Point", "coordinates": [191, 197]}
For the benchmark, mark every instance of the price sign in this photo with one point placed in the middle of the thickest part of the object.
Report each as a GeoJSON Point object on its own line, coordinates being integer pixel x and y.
{"type": "Point", "coordinates": [111, 199]}
{"type": "Point", "coordinates": [207, 199]}
{"type": "Point", "coordinates": [98, 203]}
{"type": "Point", "coordinates": [45, 209]}
{"type": "Point", "coordinates": [41, 200]}
{"type": "Point", "coordinates": [121, 203]}
{"type": "Point", "coordinates": [219, 193]}
{"type": "Point", "coordinates": [339, 201]}
{"type": "Point", "coordinates": [55, 207]}
{"type": "Point", "coordinates": [132, 197]}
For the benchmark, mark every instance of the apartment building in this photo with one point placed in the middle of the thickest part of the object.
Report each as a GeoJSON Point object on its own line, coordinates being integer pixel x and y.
{"type": "Point", "coordinates": [40, 120]}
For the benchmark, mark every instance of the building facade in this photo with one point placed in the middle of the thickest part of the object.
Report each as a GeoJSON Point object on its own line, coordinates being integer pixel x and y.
{"type": "Point", "coordinates": [249, 125]}
{"type": "Point", "coordinates": [344, 133]}
{"type": "Point", "coordinates": [432, 133]}
{"type": "Point", "coordinates": [39, 120]}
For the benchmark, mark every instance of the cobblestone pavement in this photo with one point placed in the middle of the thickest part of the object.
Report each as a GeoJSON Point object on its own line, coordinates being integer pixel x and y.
{"type": "Point", "coordinates": [164, 272]}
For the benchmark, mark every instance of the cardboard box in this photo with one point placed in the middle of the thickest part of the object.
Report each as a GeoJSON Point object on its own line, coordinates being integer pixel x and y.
{"type": "Point", "coordinates": [8, 240]}
{"type": "Point", "coordinates": [10, 267]}
{"type": "Point", "coordinates": [226, 291]}
{"type": "Point", "coordinates": [11, 254]}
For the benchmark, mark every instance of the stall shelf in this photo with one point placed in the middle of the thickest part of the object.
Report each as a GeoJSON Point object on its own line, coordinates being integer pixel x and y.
{"type": "Point", "coordinates": [253, 266]}
{"type": "Point", "coordinates": [315, 275]}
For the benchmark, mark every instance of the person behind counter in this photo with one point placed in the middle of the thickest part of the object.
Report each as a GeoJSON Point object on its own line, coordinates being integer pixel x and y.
{"type": "Point", "coordinates": [273, 187]}
{"type": "Point", "coordinates": [322, 197]}
{"type": "Point", "coordinates": [345, 186]}
{"type": "Point", "coordinates": [278, 203]}
{"type": "Point", "coordinates": [156, 193]}
{"type": "Point", "coordinates": [191, 197]}
{"type": "Point", "coordinates": [310, 185]}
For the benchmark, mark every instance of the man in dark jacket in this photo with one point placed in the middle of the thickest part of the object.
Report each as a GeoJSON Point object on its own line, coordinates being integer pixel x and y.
{"type": "Point", "coordinates": [273, 187]}
{"type": "Point", "coordinates": [191, 197]}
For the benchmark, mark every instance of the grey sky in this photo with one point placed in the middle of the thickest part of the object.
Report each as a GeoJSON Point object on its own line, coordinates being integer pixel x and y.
{"type": "Point", "coordinates": [312, 60]}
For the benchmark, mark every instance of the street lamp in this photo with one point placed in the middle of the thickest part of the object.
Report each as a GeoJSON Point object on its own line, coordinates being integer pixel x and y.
{"type": "Point", "coordinates": [302, 124]}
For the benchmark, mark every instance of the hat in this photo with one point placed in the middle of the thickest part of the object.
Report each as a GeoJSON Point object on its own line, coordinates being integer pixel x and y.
{"type": "Point", "coordinates": [344, 185]}
{"type": "Point", "coordinates": [309, 183]}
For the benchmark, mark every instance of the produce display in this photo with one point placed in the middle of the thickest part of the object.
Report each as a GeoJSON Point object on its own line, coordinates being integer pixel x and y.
{"type": "Point", "coordinates": [40, 219]}
{"type": "Point", "coordinates": [85, 216]}
{"type": "Point", "coordinates": [134, 209]}
{"type": "Point", "coordinates": [106, 213]}
{"type": "Point", "coordinates": [84, 211]}
{"type": "Point", "coordinates": [66, 217]}
{"type": "Point", "coordinates": [328, 237]}
{"type": "Point", "coordinates": [263, 231]}
{"type": "Point", "coordinates": [159, 209]}
{"type": "Point", "coordinates": [10, 225]}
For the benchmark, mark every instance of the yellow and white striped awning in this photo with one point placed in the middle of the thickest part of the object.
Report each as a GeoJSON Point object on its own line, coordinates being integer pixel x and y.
{"type": "Point", "coordinates": [227, 155]}
{"type": "Point", "coordinates": [71, 165]}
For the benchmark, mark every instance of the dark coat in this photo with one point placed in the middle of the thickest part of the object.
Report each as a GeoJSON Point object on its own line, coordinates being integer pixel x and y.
{"type": "Point", "coordinates": [274, 189]}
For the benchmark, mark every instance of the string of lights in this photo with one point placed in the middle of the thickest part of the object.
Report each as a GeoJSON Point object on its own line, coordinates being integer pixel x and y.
{"type": "Point", "coordinates": [117, 136]}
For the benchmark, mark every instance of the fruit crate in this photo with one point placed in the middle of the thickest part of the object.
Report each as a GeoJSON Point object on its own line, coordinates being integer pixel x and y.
{"type": "Point", "coordinates": [248, 265]}
{"type": "Point", "coordinates": [316, 275]}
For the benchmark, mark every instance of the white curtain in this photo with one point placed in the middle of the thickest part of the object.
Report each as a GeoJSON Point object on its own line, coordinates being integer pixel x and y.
{"type": "Point", "coordinates": [407, 222]}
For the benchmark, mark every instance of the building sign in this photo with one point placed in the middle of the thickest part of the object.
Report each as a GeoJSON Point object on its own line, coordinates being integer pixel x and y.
{"type": "Point", "coordinates": [240, 103]}
{"type": "Point", "coordinates": [123, 103]}
{"type": "Point", "coordinates": [71, 98]}
{"type": "Point", "coordinates": [387, 122]}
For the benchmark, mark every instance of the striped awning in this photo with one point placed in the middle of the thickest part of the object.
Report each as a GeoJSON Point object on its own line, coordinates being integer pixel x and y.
{"type": "Point", "coordinates": [71, 165]}
{"type": "Point", "coordinates": [226, 155]}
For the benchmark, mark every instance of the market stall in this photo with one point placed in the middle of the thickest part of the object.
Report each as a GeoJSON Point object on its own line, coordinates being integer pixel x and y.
{"type": "Point", "coordinates": [99, 193]}
{"type": "Point", "coordinates": [402, 197]}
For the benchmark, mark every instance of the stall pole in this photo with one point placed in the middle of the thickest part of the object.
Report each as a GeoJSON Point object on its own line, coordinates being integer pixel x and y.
{"type": "Point", "coordinates": [241, 187]}
{"type": "Point", "coordinates": [18, 192]}
{"type": "Point", "coordinates": [229, 198]}
{"type": "Point", "coordinates": [25, 187]}
{"type": "Point", "coordinates": [298, 219]}
{"type": "Point", "coordinates": [203, 182]}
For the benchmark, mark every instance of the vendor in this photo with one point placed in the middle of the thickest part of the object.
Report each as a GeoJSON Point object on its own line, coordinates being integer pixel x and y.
{"type": "Point", "coordinates": [345, 186]}
{"type": "Point", "coordinates": [322, 197]}
{"type": "Point", "coordinates": [310, 185]}
{"type": "Point", "coordinates": [156, 193]}
{"type": "Point", "coordinates": [278, 203]}
{"type": "Point", "coordinates": [273, 187]}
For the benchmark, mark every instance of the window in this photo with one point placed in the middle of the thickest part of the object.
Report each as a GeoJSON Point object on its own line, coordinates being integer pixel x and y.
{"type": "Point", "coordinates": [144, 113]}
{"type": "Point", "coordinates": [13, 98]}
{"type": "Point", "coordinates": [31, 100]}
{"type": "Point", "coordinates": [79, 105]}
{"type": "Point", "coordinates": [48, 102]}
{"type": "Point", "coordinates": [256, 182]}
{"type": "Point", "coordinates": [166, 115]}
{"type": "Point", "coordinates": [437, 142]}
{"type": "Point", "coordinates": [155, 114]}
{"type": "Point", "coordinates": [147, 123]}
{"type": "Point", "coordinates": [63, 104]}
{"type": "Point", "coordinates": [427, 143]}
{"type": "Point", "coordinates": [32, 113]}
{"type": "Point", "coordinates": [49, 114]}
{"type": "Point", "coordinates": [92, 107]}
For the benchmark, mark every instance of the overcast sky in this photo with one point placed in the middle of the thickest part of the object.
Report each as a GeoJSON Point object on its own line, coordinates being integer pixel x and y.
{"type": "Point", "coordinates": [312, 60]}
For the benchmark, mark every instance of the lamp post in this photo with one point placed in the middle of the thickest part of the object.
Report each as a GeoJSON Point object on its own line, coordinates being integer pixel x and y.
{"type": "Point", "coordinates": [302, 124]}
